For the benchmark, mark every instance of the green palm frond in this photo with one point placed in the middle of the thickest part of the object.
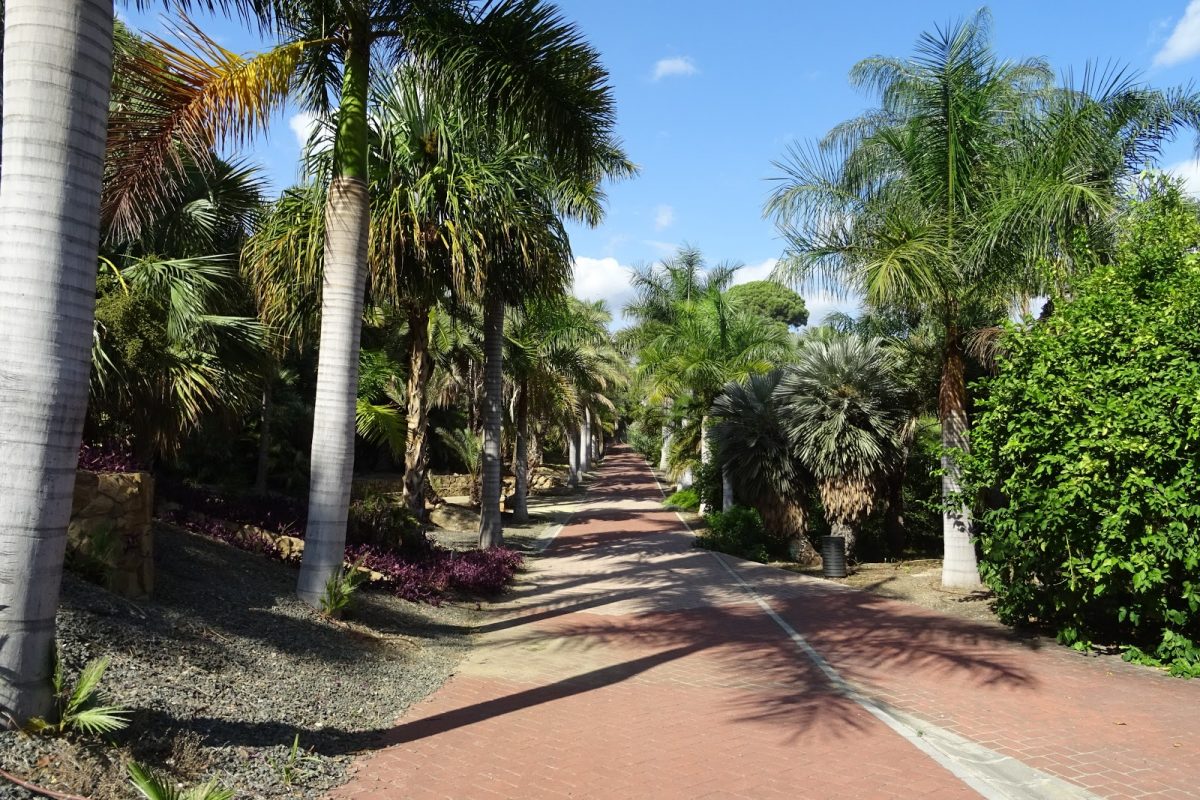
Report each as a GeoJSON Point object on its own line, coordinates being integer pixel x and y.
{"type": "Point", "coordinates": [155, 787]}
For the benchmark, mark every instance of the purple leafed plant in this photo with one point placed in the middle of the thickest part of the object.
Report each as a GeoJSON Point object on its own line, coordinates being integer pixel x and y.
{"type": "Point", "coordinates": [227, 532]}
{"type": "Point", "coordinates": [427, 578]}
{"type": "Point", "coordinates": [420, 575]}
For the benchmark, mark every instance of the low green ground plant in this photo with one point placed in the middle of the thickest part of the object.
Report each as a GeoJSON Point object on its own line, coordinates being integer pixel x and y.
{"type": "Point", "coordinates": [156, 787]}
{"type": "Point", "coordinates": [81, 708]}
{"type": "Point", "coordinates": [684, 500]}
{"type": "Point", "coordinates": [738, 532]}
{"type": "Point", "coordinates": [338, 596]}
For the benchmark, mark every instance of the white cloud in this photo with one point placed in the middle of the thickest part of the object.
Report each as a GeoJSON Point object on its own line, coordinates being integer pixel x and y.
{"type": "Point", "coordinates": [680, 66]}
{"type": "Point", "coordinates": [664, 216]}
{"type": "Point", "coordinates": [1184, 42]}
{"type": "Point", "coordinates": [822, 304]}
{"type": "Point", "coordinates": [664, 248]}
{"type": "Point", "coordinates": [304, 124]}
{"type": "Point", "coordinates": [755, 272]}
{"type": "Point", "coordinates": [604, 279]}
{"type": "Point", "coordinates": [1190, 172]}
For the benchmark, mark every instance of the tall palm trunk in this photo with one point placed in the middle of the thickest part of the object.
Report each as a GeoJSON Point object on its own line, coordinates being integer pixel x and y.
{"type": "Point", "coordinates": [585, 442]}
{"type": "Point", "coordinates": [416, 447]}
{"type": "Point", "coordinates": [347, 217]}
{"type": "Point", "coordinates": [573, 456]}
{"type": "Point", "coordinates": [520, 507]}
{"type": "Point", "coordinates": [727, 496]}
{"type": "Point", "coordinates": [57, 65]}
{"type": "Point", "coordinates": [705, 454]}
{"type": "Point", "coordinates": [960, 569]}
{"type": "Point", "coordinates": [263, 471]}
{"type": "Point", "coordinates": [491, 527]}
{"type": "Point", "coordinates": [664, 457]}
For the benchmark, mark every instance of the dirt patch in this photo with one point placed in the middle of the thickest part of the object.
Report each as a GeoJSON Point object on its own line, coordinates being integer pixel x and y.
{"type": "Point", "coordinates": [918, 581]}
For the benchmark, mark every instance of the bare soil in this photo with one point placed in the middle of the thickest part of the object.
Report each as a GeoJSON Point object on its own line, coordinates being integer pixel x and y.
{"type": "Point", "coordinates": [916, 581]}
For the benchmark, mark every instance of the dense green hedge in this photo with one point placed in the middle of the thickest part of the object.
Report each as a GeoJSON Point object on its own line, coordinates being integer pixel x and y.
{"type": "Point", "coordinates": [1087, 449]}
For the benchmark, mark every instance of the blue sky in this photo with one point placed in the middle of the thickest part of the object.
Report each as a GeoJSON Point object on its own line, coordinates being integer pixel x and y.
{"type": "Point", "coordinates": [710, 92]}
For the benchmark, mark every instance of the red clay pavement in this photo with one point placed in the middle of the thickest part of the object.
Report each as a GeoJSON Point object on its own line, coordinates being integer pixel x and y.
{"type": "Point", "coordinates": [630, 665]}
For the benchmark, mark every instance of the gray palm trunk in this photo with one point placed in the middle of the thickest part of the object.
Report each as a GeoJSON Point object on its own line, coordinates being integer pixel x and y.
{"type": "Point", "coordinates": [705, 454]}
{"type": "Point", "coordinates": [573, 456]}
{"type": "Point", "coordinates": [960, 568]}
{"type": "Point", "coordinates": [332, 464]}
{"type": "Point", "coordinates": [520, 505]}
{"type": "Point", "coordinates": [664, 456]}
{"type": "Point", "coordinates": [840, 528]}
{"type": "Point", "coordinates": [727, 495]}
{"type": "Point", "coordinates": [416, 444]}
{"type": "Point", "coordinates": [667, 432]}
{"type": "Point", "coordinates": [585, 442]}
{"type": "Point", "coordinates": [491, 526]}
{"type": "Point", "coordinates": [57, 67]}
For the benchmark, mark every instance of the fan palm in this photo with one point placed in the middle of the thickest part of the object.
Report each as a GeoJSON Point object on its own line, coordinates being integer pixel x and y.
{"type": "Point", "coordinates": [843, 412]}
{"type": "Point", "coordinates": [172, 339]}
{"type": "Point", "coordinates": [752, 443]}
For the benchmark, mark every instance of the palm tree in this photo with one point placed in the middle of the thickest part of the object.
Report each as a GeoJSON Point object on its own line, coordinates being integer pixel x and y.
{"type": "Point", "coordinates": [531, 259]}
{"type": "Point", "coordinates": [887, 207]}
{"type": "Point", "coordinates": [842, 411]}
{"type": "Point", "coordinates": [707, 343]}
{"type": "Point", "coordinates": [661, 290]}
{"type": "Point", "coordinates": [752, 443]}
{"type": "Point", "coordinates": [971, 188]}
{"type": "Point", "coordinates": [58, 55]}
{"type": "Point", "coordinates": [525, 71]}
{"type": "Point", "coordinates": [560, 359]}
{"type": "Point", "coordinates": [173, 340]}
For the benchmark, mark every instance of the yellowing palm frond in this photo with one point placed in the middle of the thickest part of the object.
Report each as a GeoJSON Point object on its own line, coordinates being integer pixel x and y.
{"type": "Point", "coordinates": [186, 98]}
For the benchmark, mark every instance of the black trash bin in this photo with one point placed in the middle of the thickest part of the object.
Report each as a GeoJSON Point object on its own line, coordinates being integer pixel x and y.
{"type": "Point", "coordinates": [833, 556]}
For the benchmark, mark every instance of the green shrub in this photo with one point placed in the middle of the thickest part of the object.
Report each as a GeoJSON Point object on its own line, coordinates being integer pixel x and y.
{"type": "Point", "coordinates": [1087, 449]}
{"type": "Point", "coordinates": [738, 532]}
{"type": "Point", "coordinates": [684, 499]}
{"type": "Point", "coordinates": [647, 442]}
{"type": "Point", "coordinates": [708, 485]}
{"type": "Point", "coordinates": [382, 520]}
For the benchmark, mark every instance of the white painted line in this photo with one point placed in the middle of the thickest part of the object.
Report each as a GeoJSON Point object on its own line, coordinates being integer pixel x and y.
{"type": "Point", "coordinates": [993, 775]}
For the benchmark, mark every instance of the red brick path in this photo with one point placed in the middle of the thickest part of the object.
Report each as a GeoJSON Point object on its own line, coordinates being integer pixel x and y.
{"type": "Point", "coordinates": [630, 665]}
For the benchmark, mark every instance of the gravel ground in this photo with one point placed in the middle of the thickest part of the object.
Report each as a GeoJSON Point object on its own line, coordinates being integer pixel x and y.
{"type": "Point", "coordinates": [545, 512]}
{"type": "Point", "coordinates": [224, 668]}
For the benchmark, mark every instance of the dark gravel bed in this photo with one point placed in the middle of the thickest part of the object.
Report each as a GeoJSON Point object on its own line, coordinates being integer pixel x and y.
{"type": "Point", "coordinates": [224, 668]}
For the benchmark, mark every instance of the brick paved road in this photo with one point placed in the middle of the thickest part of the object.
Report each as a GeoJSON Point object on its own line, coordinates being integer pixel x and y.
{"type": "Point", "coordinates": [630, 665]}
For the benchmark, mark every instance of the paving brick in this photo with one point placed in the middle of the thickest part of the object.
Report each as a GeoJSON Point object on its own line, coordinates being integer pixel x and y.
{"type": "Point", "coordinates": [629, 664]}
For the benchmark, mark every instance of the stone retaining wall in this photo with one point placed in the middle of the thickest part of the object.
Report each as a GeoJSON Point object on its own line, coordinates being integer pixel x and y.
{"type": "Point", "coordinates": [117, 508]}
